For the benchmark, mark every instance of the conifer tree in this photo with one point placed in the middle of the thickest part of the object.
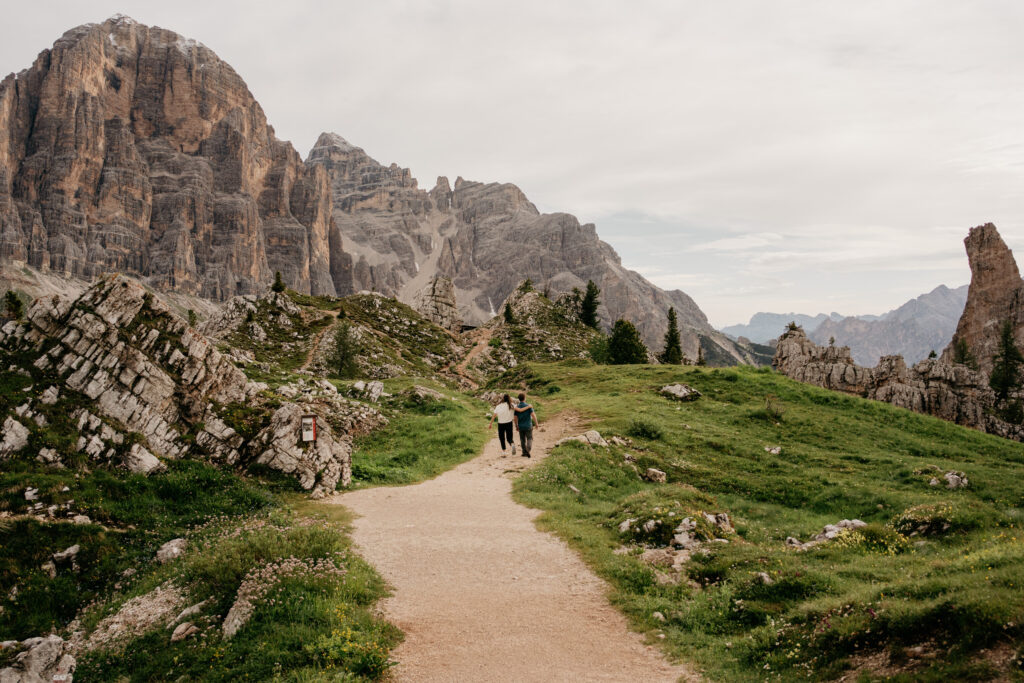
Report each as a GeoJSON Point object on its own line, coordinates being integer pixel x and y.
{"type": "Point", "coordinates": [1005, 379]}
{"type": "Point", "coordinates": [625, 345]}
{"type": "Point", "coordinates": [588, 308]}
{"type": "Point", "coordinates": [12, 304]}
{"type": "Point", "coordinates": [278, 285]}
{"type": "Point", "coordinates": [962, 354]}
{"type": "Point", "coordinates": [341, 360]}
{"type": "Point", "coordinates": [673, 353]}
{"type": "Point", "coordinates": [700, 355]}
{"type": "Point", "coordinates": [193, 319]}
{"type": "Point", "coordinates": [510, 318]}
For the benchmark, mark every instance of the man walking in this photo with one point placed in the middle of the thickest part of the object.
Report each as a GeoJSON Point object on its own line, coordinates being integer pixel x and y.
{"type": "Point", "coordinates": [526, 418]}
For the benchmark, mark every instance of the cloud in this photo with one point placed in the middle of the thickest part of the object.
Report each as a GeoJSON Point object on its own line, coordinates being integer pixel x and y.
{"type": "Point", "coordinates": [825, 151]}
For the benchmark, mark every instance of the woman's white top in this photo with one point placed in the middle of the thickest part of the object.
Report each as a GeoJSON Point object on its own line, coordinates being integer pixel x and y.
{"type": "Point", "coordinates": [503, 413]}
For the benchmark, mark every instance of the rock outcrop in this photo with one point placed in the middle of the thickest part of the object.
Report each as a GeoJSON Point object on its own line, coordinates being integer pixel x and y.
{"type": "Point", "coordinates": [129, 148]}
{"type": "Point", "coordinates": [996, 294]}
{"type": "Point", "coordinates": [436, 302]}
{"type": "Point", "coordinates": [941, 386]}
{"type": "Point", "coordinates": [949, 391]}
{"type": "Point", "coordinates": [139, 385]}
{"type": "Point", "coordinates": [40, 660]}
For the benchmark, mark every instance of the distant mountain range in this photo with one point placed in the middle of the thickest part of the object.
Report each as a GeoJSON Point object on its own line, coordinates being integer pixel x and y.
{"type": "Point", "coordinates": [913, 330]}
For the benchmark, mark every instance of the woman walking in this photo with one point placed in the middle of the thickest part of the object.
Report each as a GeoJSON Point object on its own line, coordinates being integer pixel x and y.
{"type": "Point", "coordinates": [505, 413]}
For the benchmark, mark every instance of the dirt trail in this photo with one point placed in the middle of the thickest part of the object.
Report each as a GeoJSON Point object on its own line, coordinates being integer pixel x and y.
{"type": "Point", "coordinates": [481, 594]}
{"type": "Point", "coordinates": [317, 339]}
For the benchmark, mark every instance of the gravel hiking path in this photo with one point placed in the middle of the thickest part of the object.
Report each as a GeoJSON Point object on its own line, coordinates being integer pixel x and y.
{"type": "Point", "coordinates": [481, 594]}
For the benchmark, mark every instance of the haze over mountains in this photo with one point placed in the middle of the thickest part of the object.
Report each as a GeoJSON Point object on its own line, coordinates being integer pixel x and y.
{"type": "Point", "coordinates": [913, 330]}
{"type": "Point", "coordinates": [133, 149]}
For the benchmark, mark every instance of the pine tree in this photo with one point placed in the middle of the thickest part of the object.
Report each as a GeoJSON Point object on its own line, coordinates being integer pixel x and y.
{"type": "Point", "coordinates": [192, 318]}
{"type": "Point", "coordinates": [12, 304]}
{"type": "Point", "coordinates": [341, 360]}
{"type": "Point", "coordinates": [673, 353]}
{"type": "Point", "coordinates": [510, 318]}
{"type": "Point", "coordinates": [1005, 379]}
{"type": "Point", "coordinates": [962, 354]}
{"type": "Point", "coordinates": [588, 308]}
{"type": "Point", "coordinates": [932, 354]}
{"type": "Point", "coordinates": [278, 285]}
{"type": "Point", "coordinates": [700, 355]}
{"type": "Point", "coordinates": [625, 345]}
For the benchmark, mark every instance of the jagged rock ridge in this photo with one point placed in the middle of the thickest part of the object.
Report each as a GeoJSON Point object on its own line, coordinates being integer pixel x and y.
{"type": "Point", "coordinates": [940, 387]}
{"type": "Point", "coordinates": [486, 238]}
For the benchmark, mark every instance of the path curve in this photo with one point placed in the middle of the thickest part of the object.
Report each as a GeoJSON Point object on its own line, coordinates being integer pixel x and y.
{"type": "Point", "coordinates": [481, 594]}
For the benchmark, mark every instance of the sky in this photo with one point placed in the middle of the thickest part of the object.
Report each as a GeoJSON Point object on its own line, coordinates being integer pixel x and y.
{"type": "Point", "coordinates": [790, 156]}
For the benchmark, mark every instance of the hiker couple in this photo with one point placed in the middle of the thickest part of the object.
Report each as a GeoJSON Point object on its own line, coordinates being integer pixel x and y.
{"type": "Point", "coordinates": [524, 417]}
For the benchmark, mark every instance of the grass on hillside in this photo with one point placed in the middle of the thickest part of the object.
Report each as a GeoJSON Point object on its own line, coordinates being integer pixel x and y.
{"type": "Point", "coordinates": [313, 619]}
{"type": "Point", "coordinates": [422, 439]}
{"type": "Point", "coordinates": [315, 625]}
{"type": "Point", "coordinates": [943, 604]}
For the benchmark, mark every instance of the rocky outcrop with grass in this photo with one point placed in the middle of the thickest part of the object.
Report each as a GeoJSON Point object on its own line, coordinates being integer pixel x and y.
{"type": "Point", "coordinates": [951, 391]}
{"type": "Point", "coordinates": [115, 377]}
{"type": "Point", "coordinates": [535, 328]}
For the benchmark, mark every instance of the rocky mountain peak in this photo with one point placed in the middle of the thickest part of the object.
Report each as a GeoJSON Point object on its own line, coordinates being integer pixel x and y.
{"type": "Point", "coordinates": [996, 294]}
{"type": "Point", "coordinates": [329, 145]}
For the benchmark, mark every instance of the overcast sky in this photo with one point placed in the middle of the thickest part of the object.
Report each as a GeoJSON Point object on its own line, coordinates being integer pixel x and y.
{"type": "Point", "coordinates": [806, 156]}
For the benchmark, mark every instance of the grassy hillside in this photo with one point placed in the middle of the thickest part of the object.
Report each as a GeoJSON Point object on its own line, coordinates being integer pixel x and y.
{"type": "Point", "coordinates": [929, 589]}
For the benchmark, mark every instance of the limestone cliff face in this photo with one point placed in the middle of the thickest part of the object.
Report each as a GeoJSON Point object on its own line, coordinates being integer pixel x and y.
{"type": "Point", "coordinates": [129, 148]}
{"type": "Point", "coordinates": [437, 303]}
{"type": "Point", "coordinates": [486, 238]}
{"type": "Point", "coordinates": [996, 294]}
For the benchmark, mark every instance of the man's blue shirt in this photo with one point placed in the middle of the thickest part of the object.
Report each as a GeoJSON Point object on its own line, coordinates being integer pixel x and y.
{"type": "Point", "coordinates": [525, 418]}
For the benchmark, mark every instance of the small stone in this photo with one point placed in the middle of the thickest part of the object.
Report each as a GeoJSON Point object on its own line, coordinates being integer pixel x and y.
{"type": "Point", "coordinates": [764, 578]}
{"type": "Point", "coordinates": [658, 616]}
{"type": "Point", "coordinates": [574, 490]}
{"type": "Point", "coordinates": [625, 526]}
{"type": "Point", "coordinates": [171, 550]}
{"type": "Point", "coordinates": [67, 554]}
{"type": "Point", "coordinates": [184, 630]}
{"type": "Point", "coordinates": [680, 392]}
{"type": "Point", "coordinates": [81, 519]}
{"type": "Point", "coordinates": [655, 475]}
{"type": "Point", "coordinates": [31, 493]}
{"type": "Point", "coordinates": [50, 568]}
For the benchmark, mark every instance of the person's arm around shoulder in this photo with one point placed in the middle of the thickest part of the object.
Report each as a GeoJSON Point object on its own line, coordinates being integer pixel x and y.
{"type": "Point", "coordinates": [526, 406]}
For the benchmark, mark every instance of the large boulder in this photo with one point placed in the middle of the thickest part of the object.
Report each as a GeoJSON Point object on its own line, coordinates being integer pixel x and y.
{"type": "Point", "coordinates": [42, 660]}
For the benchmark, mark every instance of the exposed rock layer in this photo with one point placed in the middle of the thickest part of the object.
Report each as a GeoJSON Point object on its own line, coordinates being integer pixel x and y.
{"type": "Point", "coordinates": [142, 372]}
{"type": "Point", "coordinates": [129, 148]}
